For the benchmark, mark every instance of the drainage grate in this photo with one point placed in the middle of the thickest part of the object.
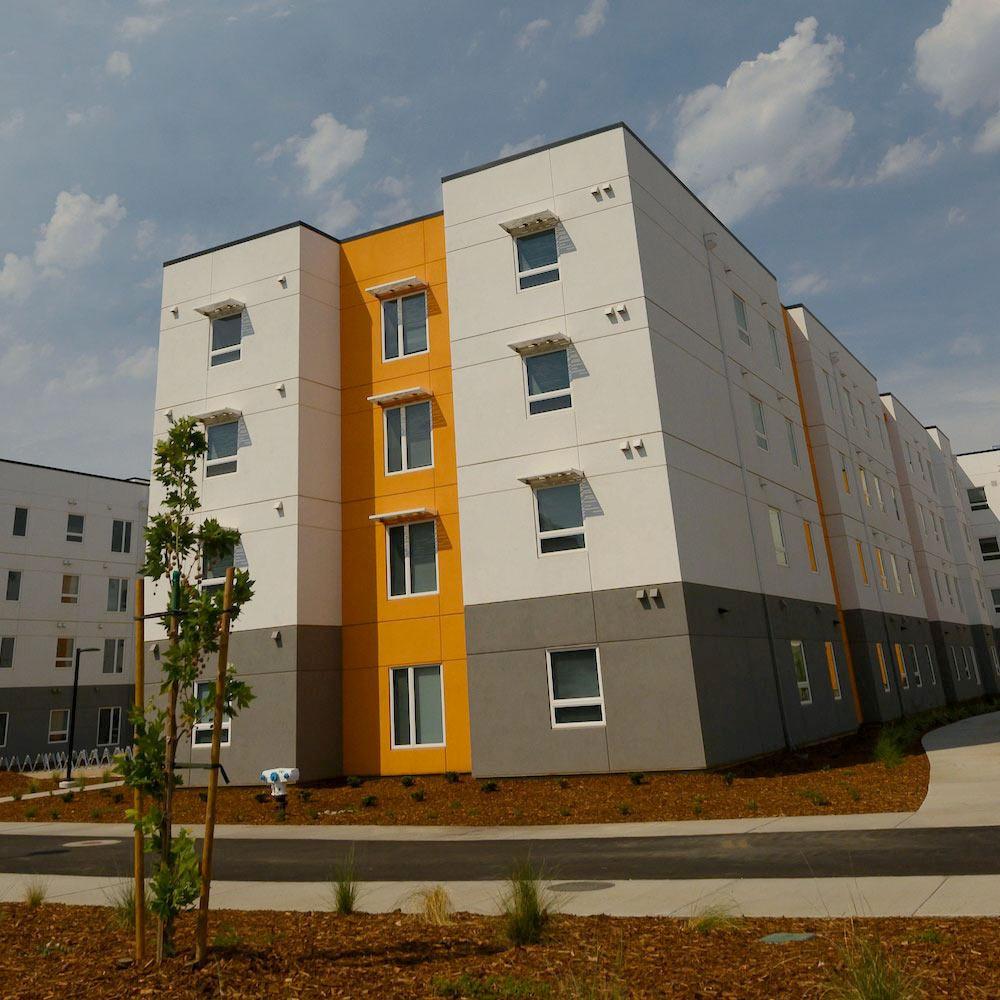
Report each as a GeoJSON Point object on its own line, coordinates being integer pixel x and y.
{"type": "Point", "coordinates": [783, 937]}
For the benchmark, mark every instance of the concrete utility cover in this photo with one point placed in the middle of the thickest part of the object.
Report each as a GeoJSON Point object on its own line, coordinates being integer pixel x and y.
{"type": "Point", "coordinates": [89, 843]}
{"type": "Point", "coordinates": [581, 886]}
{"type": "Point", "coordinates": [783, 937]}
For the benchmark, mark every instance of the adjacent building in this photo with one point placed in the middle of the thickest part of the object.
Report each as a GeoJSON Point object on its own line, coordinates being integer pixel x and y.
{"type": "Point", "coordinates": [550, 482]}
{"type": "Point", "coordinates": [70, 551]}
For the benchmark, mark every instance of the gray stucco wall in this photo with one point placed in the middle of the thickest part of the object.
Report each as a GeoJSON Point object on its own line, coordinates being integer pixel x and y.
{"type": "Point", "coordinates": [957, 685]}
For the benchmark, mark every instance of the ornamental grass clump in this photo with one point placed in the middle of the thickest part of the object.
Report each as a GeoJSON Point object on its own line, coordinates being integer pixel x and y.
{"type": "Point", "coordinates": [525, 905]}
{"type": "Point", "coordinates": [345, 885]}
{"type": "Point", "coordinates": [869, 973]}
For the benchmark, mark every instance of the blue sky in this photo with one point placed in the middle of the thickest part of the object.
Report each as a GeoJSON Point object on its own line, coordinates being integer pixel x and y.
{"type": "Point", "coordinates": [854, 146]}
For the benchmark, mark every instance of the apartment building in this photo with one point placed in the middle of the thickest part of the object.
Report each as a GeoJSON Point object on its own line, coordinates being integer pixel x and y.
{"type": "Point", "coordinates": [978, 487]}
{"type": "Point", "coordinates": [70, 551]}
{"type": "Point", "coordinates": [550, 482]}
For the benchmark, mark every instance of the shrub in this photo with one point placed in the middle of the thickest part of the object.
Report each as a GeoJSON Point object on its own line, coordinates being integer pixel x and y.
{"type": "Point", "coordinates": [118, 798]}
{"type": "Point", "coordinates": [32, 787]}
{"type": "Point", "coordinates": [451, 777]}
{"type": "Point", "coordinates": [637, 777]}
{"type": "Point", "coordinates": [68, 797]}
{"type": "Point", "coordinates": [81, 783]}
{"type": "Point", "coordinates": [714, 918]}
{"type": "Point", "coordinates": [95, 813]}
{"type": "Point", "coordinates": [407, 781]}
{"type": "Point", "coordinates": [869, 974]}
{"type": "Point", "coordinates": [564, 811]}
{"type": "Point", "coordinates": [369, 802]}
{"type": "Point", "coordinates": [345, 885]}
{"type": "Point", "coordinates": [752, 805]}
{"type": "Point", "coordinates": [489, 786]}
{"type": "Point", "coordinates": [16, 796]}
{"type": "Point", "coordinates": [525, 905]}
{"type": "Point", "coordinates": [932, 936]}
{"type": "Point", "coordinates": [854, 794]}
{"type": "Point", "coordinates": [418, 795]}
{"type": "Point", "coordinates": [35, 892]}
{"type": "Point", "coordinates": [30, 813]}
{"type": "Point", "coordinates": [261, 797]}
{"type": "Point", "coordinates": [888, 752]}
{"type": "Point", "coordinates": [564, 783]}
{"type": "Point", "coordinates": [354, 781]}
{"type": "Point", "coordinates": [107, 776]}
{"type": "Point", "coordinates": [435, 905]}
{"type": "Point", "coordinates": [816, 798]}
{"type": "Point", "coordinates": [624, 808]}
{"type": "Point", "coordinates": [227, 937]}
{"type": "Point", "coordinates": [121, 899]}
{"type": "Point", "coordinates": [305, 794]}
{"type": "Point", "coordinates": [728, 778]}
{"type": "Point", "coordinates": [54, 813]}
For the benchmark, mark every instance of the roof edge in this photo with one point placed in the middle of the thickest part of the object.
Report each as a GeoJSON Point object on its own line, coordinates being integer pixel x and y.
{"type": "Point", "coordinates": [132, 480]}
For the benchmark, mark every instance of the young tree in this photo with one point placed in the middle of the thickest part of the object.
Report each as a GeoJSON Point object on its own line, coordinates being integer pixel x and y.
{"type": "Point", "coordinates": [177, 550]}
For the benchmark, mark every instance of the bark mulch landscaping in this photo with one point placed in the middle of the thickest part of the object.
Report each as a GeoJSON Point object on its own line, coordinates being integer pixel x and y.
{"type": "Point", "coordinates": [838, 777]}
{"type": "Point", "coordinates": [59, 951]}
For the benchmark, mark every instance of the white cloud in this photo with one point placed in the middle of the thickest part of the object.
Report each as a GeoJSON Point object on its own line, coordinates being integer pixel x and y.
{"type": "Point", "coordinates": [328, 153]}
{"type": "Point", "coordinates": [770, 127]}
{"type": "Point", "coordinates": [339, 213]}
{"type": "Point", "coordinates": [592, 19]}
{"type": "Point", "coordinates": [808, 284]}
{"type": "Point", "coordinates": [119, 65]}
{"type": "Point", "coordinates": [956, 216]}
{"type": "Point", "coordinates": [145, 235]}
{"type": "Point", "coordinates": [140, 364]}
{"type": "Point", "coordinates": [73, 236]}
{"type": "Point", "coordinates": [141, 26]}
{"type": "Point", "coordinates": [988, 140]}
{"type": "Point", "coordinates": [531, 32]}
{"type": "Point", "coordinates": [907, 157]}
{"type": "Point", "coordinates": [510, 148]}
{"type": "Point", "coordinates": [86, 116]}
{"type": "Point", "coordinates": [11, 124]}
{"type": "Point", "coordinates": [17, 277]}
{"type": "Point", "coordinates": [17, 359]}
{"type": "Point", "coordinates": [398, 207]}
{"type": "Point", "coordinates": [537, 91]}
{"type": "Point", "coordinates": [394, 187]}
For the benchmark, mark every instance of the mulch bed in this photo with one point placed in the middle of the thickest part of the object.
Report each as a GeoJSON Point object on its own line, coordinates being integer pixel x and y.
{"type": "Point", "coordinates": [70, 951]}
{"type": "Point", "coordinates": [838, 777]}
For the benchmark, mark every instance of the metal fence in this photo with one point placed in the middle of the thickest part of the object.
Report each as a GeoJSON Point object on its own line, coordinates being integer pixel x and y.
{"type": "Point", "coordinates": [100, 757]}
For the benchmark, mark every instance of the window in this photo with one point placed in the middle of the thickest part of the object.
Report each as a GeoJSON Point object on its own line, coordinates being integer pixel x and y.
{"type": "Point", "coordinates": [412, 558]}
{"type": "Point", "coordinates": [937, 585]}
{"type": "Point", "coordinates": [213, 572]}
{"type": "Point", "coordinates": [109, 726]}
{"type": "Point", "coordinates": [883, 672]}
{"type": "Point", "coordinates": [864, 415]}
{"type": "Point", "coordinates": [896, 582]}
{"type": "Point", "coordinates": [547, 378]}
{"type": "Point", "coordinates": [58, 725]}
{"type": "Point", "coordinates": [810, 548]}
{"type": "Point", "coordinates": [880, 565]}
{"type": "Point", "coordinates": [117, 594]}
{"type": "Point", "coordinates": [576, 695]}
{"type": "Point", "coordinates": [537, 259]}
{"type": "Point", "coordinates": [861, 561]}
{"type": "Point", "coordinates": [74, 528]}
{"type": "Point", "coordinates": [996, 660]}
{"type": "Point", "coordinates": [70, 589]}
{"type": "Point", "coordinates": [760, 429]}
{"type": "Point", "coordinates": [879, 423]}
{"type": "Point", "coordinates": [944, 535]}
{"type": "Point", "coordinates": [404, 326]}
{"type": "Point", "coordinates": [895, 501]}
{"type": "Point", "coordinates": [829, 391]}
{"type": "Point", "coordinates": [947, 583]}
{"type": "Point", "coordinates": [777, 536]}
{"type": "Point", "coordinates": [20, 521]}
{"type": "Point", "coordinates": [792, 450]}
{"type": "Point", "coordinates": [955, 663]}
{"type": "Point", "coordinates": [4, 720]}
{"type": "Point", "coordinates": [801, 672]}
{"type": "Point", "coordinates": [995, 594]}
{"type": "Point", "coordinates": [408, 437]}
{"type": "Point", "coordinates": [930, 665]}
{"type": "Point", "coordinates": [904, 678]}
{"type": "Point", "coordinates": [849, 406]}
{"type": "Point", "coordinates": [909, 455]}
{"type": "Point", "coordinates": [417, 707]}
{"type": "Point", "coordinates": [990, 548]}
{"type": "Point", "coordinates": [775, 350]}
{"type": "Point", "coordinates": [13, 585]}
{"type": "Point", "coordinates": [742, 322]}
{"type": "Point", "coordinates": [918, 678]}
{"type": "Point", "coordinates": [831, 666]}
{"type": "Point", "coordinates": [909, 573]}
{"type": "Point", "coordinates": [977, 498]}
{"type": "Point", "coordinates": [863, 479]}
{"type": "Point", "coordinates": [223, 445]}
{"type": "Point", "coordinates": [114, 656]}
{"type": "Point", "coordinates": [121, 536]}
{"type": "Point", "coordinates": [958, 594]}
{"type": "Point", "coordinates": [878, 494]}
{"type": "Point", "coordinates": [227, 333]}
{"type": "Point", "coordinates": [201, 731]}
{"type": "Point", "coordinates": [560, 518]}
{"type": "Point", "coordinates": [7, 652]}
{"type": "Point", "coordinates": [971, 655]}
{"type": "Point", "coordinates": [844, 477]}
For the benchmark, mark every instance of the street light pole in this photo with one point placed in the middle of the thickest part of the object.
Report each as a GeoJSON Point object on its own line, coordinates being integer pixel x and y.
{"type": "Point", "coordinates": [72, 712]}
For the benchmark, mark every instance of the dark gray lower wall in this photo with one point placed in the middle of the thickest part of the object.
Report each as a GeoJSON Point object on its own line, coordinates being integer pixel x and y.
{"type": "Point", "coordinates": [28, 716]}
{"type": "Point", "coordinates": [950, 641]}
{"type": "Point", "coordinates": [689, 680]}
{"type": "Point", "coordinates": [984, 642]}
{"type": "Point", "coordinates": [295, 717]}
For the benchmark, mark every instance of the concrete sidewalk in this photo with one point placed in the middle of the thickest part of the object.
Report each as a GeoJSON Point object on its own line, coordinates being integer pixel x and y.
{"type": "Point", "coordinates": [921, 896]}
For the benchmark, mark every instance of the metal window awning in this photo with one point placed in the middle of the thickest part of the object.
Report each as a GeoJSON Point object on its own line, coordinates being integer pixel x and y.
{"type": "Point", "coordinates": [553, 478]}
{"type": "Point", "coordinates": [410, 514]}
{"type": "Point", "coordinates": [221, 308]}
{"type": "Point", "coordinates": [409, 395]}
{"type": "Point", "coordinates": [400, 286]}
{"type": "Point", "coordinates": [546, 342]}
{"type": "Point", "coordinates": [223, 415]}
{"type": "Point", "coordinates": [533, 223]}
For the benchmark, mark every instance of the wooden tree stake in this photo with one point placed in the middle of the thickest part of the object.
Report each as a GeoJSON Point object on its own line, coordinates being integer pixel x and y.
{"type": "Point", "coordinates": [139, 892]}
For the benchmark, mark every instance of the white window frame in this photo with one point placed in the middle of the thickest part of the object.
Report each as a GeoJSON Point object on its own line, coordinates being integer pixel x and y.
{"type": "Point", "coordinates": [406, 525]}
{"type": "Point", "coordinates": [880, 566]}
{"type": "Point", "coordinates": [931, 665]}
{"type": "Point", "coordinates": [557, 532]}
{"type": "Point", "coordinates": [777, 536]}
{"type": "Point", "coordinates": [878, 493]}
{"type": "Point", "coordinates": [225, 731]}
{"type": "Point", "coordinates": [792, 446]}
{"type": "Point", "coordinates": [75, 536]}
{"type": "Point", "coordinates": [215, 582]}
{"type": "Point", "coordinates": [829, 390]}
{"type": "Point", "coordinates": [918, 677]}
{"type": "Point", "coordinates": [909, 573]}
{"type": "Point", "coordinates": [895, 500]}
{"type": "Point", "coordinates": [850, 406]}
{"type": "Point", "coordinates": [218, 352]}
{"type": "Point", "coordinates": [117, 656]}
{"type": "Point", "coordinates": [883, 667]}
{"type": "Point", "coordinates": [398, 299]}
{"type": "Point", "coordinates": [983, 504]}
{"type": "Point", "coordinates": [760, 430]}
{"type": "Point", "coordinates": [70, 596]}
{"type": "Point", "coordinates": [126, 535]}
{"type": "Point", "coordinates": [742, 328]}
{"type": "Point", "coordinates": [804, 686]}
{"type": "Point", "coordinates": [540, 397]}
{"type": "Point", "coordinates": [863, 479]}
{"type": "Point", "coordinates": [532, 271]}
{"type": "Point", "coordinates": [776, 353]}
{"type": "Point", "coordinates": [13, 649]}
{"type": "Point", "coordinates": [831, 653]}
{"type": "Point", "coordinates": [14, 581]}
{"type": "Point", "coordinates": [995, 657]}
{"type": "Point", "coordinates": [56, 732]}
{"type": "Point", "coordinates": [234, 459]}
{"type": "Point", "coordinates": [402, 436]}
{"type": "Point", "coordinates": [412, 704]}
{"type": "Point", "coordinates": [114, 725]}
{"type": "Point", "coordinates": [118, 585]}
{"type": "Point", "coordinates": [975, 664]}
{"type": "Point", "coordinates": [989, 556]}
{"type": "Point", "coordinates": [6, 727]}
{"type": "Point", "coordinates": [575, 702]}
{"type": "Point", "coordinates": [900, 657]}
{"type": "Point", "coordinates": [13, 528]}
{"type": "Point", "coordinates": [994, 592]}
{"type": "Point", "coordinates": [62, 662]}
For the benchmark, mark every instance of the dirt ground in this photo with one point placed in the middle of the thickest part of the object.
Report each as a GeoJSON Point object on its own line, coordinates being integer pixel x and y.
{"type": "Point", "coordinates": [70, 951]}
{"type": "Point", "coordinates": [838, 777]}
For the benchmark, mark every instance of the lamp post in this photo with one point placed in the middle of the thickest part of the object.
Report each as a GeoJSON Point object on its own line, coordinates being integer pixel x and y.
{"type": "Point", "coordinates": [72, 713]}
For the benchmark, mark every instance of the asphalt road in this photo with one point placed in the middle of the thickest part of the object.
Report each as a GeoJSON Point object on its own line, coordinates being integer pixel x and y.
{"type": "Point", "coordinates": [961, 851]}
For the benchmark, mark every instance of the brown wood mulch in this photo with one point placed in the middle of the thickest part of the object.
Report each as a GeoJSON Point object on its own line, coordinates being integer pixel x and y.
{"type": "Point", "coordinates": [838, 777]}
{"type": "Point", "coordinates": [73, 951]}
